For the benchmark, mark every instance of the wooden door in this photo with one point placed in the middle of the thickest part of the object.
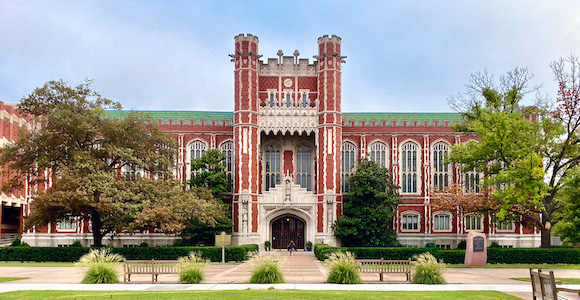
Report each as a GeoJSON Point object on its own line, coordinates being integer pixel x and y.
{"type": "Point", "coordinates": [286, 229]}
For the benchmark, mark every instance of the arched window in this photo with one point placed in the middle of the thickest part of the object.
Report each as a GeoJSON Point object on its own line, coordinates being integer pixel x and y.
{"type": "Point", "coordinates": [410, 221]}
{"type": "Point", "coordinates": [196, 149]}
{"type": "Point", "coordinates": [227, 148]}
{"type": "Point", "coordinates": [440, 168]}
{"type": "Point", "coordinates": [471, 182]}
{"type": "Point", "coordinates": [304, 167]}
{"type": "Point", "coordinates": [441, 221]}
{"type": "Point", "coordinates": [409, 169]}
{"type": "Point", "coordinates": [473, 222]}
{"type": "Point", "coordinates": [347, 164]}
{"type": "Point", "coordinates": [379, 154]}
{"type": "Point", "coordinates": [272, 166]}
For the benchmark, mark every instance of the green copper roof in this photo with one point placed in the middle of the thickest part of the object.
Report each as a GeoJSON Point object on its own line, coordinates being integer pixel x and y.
{"type": "Point", "coordinates": [347, 118]}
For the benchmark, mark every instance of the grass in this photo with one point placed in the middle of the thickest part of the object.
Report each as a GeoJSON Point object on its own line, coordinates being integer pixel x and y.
{"type": "Point", "coordinates": [427, 269]}
{"type": "Point", "coordinates": [37, 264]}
{"type": "Point", "coordinates": [520, 266]}
{"type": "Point", "coordinates": [563, 280]}
{"type": "Point", "coordinates": [254, 294]}
{"type": "Point", "coordinates": [5, 279]}
{"type": "Point", "coordinates": [266, 267]}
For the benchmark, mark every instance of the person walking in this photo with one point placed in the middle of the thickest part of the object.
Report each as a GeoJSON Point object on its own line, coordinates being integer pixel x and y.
{"type": "Point", "coordinates": [291, 247]}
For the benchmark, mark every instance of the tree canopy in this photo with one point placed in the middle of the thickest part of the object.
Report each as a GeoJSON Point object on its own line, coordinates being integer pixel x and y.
{"type": "Point", "coordinates": [83, 164]}
{"type": "Point", "coordinates": [369, 208]}
{"type": "Point", "coordinates": [526, 153]}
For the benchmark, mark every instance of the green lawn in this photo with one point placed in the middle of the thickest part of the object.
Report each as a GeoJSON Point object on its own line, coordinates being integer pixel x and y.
{"type": "Point", "coordinates": [253, 295]}
{"type": "Point", "coordinates": [37, 264]}
{"type": "Point", "coordinates": [519, 266]}
{"type": "Point", "coordinates": [563, 280]}
{"type": "Point", "coordinates": [4, 279]}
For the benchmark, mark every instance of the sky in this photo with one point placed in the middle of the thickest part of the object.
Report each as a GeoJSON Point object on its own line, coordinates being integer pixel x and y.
{"type": "Point", "coordinates": [402, 56]}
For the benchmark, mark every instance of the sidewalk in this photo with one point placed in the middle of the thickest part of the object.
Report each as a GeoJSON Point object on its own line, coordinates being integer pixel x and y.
{"type": "Point", "coordinates": [301, 271]}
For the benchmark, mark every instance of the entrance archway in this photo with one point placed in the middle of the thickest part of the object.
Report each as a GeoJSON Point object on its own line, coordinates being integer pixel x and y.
{"type": "Point", "coordinates": [285, 229]}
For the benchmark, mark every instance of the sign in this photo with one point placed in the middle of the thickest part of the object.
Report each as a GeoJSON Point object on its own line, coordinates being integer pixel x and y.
{"type": "Point", "coordinates": [478, 244]}
{"type": "Point", "coordinates": [223, 240]}
{"type": "Point", "coordinates": [476, 252]}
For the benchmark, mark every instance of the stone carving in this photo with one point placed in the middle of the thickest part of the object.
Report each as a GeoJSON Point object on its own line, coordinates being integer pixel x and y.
{"type": "Point", "coordinates": [288, 120]}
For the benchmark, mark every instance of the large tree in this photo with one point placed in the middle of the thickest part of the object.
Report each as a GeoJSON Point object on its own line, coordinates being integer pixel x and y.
{"type": "Point", "coordinates": [74, 158]}
{"type": "Point", "coordinates": [369, 208]}
{"type": "Point", "coordinates": [526, 153]}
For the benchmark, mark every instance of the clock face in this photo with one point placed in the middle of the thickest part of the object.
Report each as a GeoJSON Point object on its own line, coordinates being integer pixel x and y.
{"type": "Point", "coordinates": [288, 82]}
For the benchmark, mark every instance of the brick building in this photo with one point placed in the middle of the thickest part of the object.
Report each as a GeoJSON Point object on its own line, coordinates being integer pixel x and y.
{"type": "Point", "coordinates": [290, 149]}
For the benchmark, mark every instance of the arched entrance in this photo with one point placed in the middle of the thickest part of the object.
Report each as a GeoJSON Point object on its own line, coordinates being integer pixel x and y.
{"type": "Point", "coordinates": [285, 229]}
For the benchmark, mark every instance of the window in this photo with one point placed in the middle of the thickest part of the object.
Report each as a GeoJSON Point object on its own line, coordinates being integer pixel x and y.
{"type": "Point", "coordinates": [272, 100]}
{"type": "Point", "coordinates": [304, 100]}
{"type": "Point", "coordinates": [197, 150]}
{"type": "Point", "coordinates": [471, 182]}
{"type": "Point", "coordinates": [409, 172]}
{"type": "Point", "coordinates": [67, 224]}
{"type": "Point", "coordinates": [441, 222]}
{"type": "Point", "coordinates": [504, 225]}
{"type": "Point", "coordinates": [288, 100]}
{"type": "Point", "coordinates": [132, 172]}
{"type": "Point", "coordinates": [227, 148]}
{"type": "Point", "coordinates": [272, 166]}
{"type": "Point", "coordinates": [473, 222]}
{"type": "Point", "coordinates": [440, 168]}
{"type": "Point", "coordinates": [304, 167]}
{"type": "Point", "coordinates": [410, 222]}
{"type": "Point", "coordinates": [378, 154]}
{"type": "Point", "coordinates": [347, 164]}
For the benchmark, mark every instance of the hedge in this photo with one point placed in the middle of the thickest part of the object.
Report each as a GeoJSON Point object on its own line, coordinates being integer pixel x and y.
{"type": "Point", "coordinates": [494, 255]}
{"type": "Point", "coordinates": [71, 254]}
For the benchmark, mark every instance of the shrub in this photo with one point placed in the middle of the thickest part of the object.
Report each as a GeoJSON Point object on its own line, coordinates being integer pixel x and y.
{"type": "Point", "coordinates": [15, 242]}
{"type": "Point", "coordinates": [494, 244]}
{"type": "Point", "coordinates": [76, 244]}
{"type": "Point", "coordinates": [192, 268]}
{"type": "Point", "coordinates": [144, 244]}
{"type": "Point", "coordinates": [462, 245]}
{"type": "Point", "coordinates": [100, 266]}
{"type": "Point", "coordinates": [266, 267]}
{"type": "Point", "coordinates": [343, 268]}
{"type": "Point", "coordinates": [428, 270]}
{"type": "Point", "coordinates": [24, 244]}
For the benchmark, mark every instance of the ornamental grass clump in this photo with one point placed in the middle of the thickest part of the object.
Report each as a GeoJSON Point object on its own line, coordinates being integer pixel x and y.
{"type": "Point", "coordinates": [428, 270]}
{"type": "Point", "coordinates": [343, 268]}
{"type": "Point", "coordinates": [192, 268]}
{"type": "Point", "coordinates": [100, 266]}
{"type": "Point", "coordinates": [266, 267]}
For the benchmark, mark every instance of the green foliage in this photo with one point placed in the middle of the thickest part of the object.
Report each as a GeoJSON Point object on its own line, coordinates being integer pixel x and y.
{"type": "Point", "coordinates": [68, 254]}
{"type": "Point", "coordinates": [343, 268]}
{"type": "Point", "coordinates": [462, 245]}
{"type": "Point", "coordinates": [494, 255]}
{"type": "Point", "coordinates": [76, 244]}
{"type": "Point", "coordinates": [100, 266]}
{"type": "Point", "coordinates": [369, 208]}
{"type": "Point", "coordinates": [16, 242]}
{"type": "Point", "coordinates": [267, 244]}
{"type": "Point", "coordinates": [144, 244]}
{"type": "Point", "coordinates": [266, 267]}
{"type": "Point", "coordinates": [494, 244]}
{"type": "Point", "coordinates": [192, 268]}
{"type": "Point", "coordinates": [569, 226]}
{"type": "Point", "coordinates": [428, 270]}
{"type": "Point", "coordinates": [309, 244]}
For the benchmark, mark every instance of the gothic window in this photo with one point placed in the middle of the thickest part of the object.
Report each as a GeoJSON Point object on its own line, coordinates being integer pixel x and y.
{"type": "Point", "coordinates": [67, 224]}
{"type": "Point", "coordinates": [440, 168]}
{"type": "Point", "coordinates": [471, 182]}
{"type": "Point", "coordinates": [304, 100]}
{"type": "Point", "coordinates": [378, 154]}
{"type": "Point", "coordinates": [473, 222]}
{"type": "Point", "coordinates": [410, 222]}
{"type": "Point", "coordinates": [288, 100]}
{"type": "Point", "coordinates": [304, 167]}
{"type": "Point", "coordinates": [272, 166]}
{"type": "Point", "coordinates": [348, 161]}
{"type": "Point", "coordinates": [271, 100]}
{"type": "Point", "coordinates": [196, 149]}
{"type": "Point", "coordinates": [442, 222]}
{"type": "Point", "coordinates": [227, 148]}
{"type": "Point", "coordinates": [409, 169]}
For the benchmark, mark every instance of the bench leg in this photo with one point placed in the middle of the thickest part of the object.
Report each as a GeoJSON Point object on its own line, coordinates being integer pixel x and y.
{"type": "Point", "coordinates": [381, 276]}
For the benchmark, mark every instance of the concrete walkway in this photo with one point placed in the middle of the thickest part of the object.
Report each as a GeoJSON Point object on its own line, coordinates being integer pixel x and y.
{"type": "Point", "coordinates": [301, 271]}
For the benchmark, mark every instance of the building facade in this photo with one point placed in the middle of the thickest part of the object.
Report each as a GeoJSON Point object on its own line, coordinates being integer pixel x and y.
{"type": "Point", "coordinates": [290, 149]}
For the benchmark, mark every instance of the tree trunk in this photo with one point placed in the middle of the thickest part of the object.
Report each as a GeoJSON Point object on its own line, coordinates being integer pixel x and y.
{"type": "Point", "coordinates": [97, 226]}
{"type": "Point", "coordinates": [546, 237]}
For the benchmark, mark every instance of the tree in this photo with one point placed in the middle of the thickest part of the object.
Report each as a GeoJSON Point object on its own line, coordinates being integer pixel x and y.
{"type": "Point", "coordinates": [526, 153]}
{"type": "Point", "coordinates": [369, 208]}
{"type": "Point", "coordinates": [212, 176]}
{"type": "Point", "coordinates": [80, 156]}
{"type": "Point", "coordinates": [569, 226]}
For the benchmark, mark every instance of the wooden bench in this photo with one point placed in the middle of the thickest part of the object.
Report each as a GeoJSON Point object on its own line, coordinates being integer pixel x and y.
{"type": "Point", "coordinates": [544, 286]}
{"type": "Point", "coordinates": [153, 267]}
{"type": "Point", "coordinates": [382, 266]}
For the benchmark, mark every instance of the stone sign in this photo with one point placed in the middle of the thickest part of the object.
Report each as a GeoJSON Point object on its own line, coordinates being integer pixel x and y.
{"type": "Point", "coordinates": [476, 251]}
{"type": "Point", "coordinates": [223, 240]}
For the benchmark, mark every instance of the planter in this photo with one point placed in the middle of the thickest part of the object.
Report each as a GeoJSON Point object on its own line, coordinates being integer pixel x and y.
{"type": "Point", "coordinates": [308, 248]}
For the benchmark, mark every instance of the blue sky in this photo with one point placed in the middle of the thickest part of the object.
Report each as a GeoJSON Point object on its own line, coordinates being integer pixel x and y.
{"type": "Point", "coordinates": [403, 56]}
